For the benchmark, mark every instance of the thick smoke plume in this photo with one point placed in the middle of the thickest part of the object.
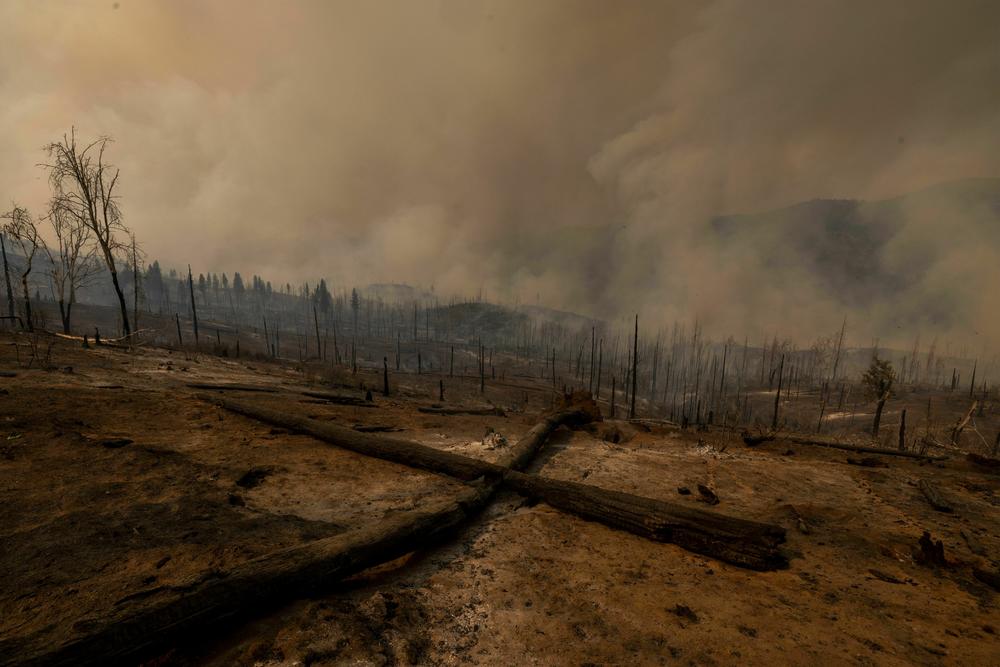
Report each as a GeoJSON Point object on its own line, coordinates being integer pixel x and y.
{"type": "Point", "coordinates": [581, 154]}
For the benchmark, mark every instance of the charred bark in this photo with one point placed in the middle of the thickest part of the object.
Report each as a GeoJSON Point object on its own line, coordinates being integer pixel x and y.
{"type": "Point", "coordinates": [752, 440]}
{"type": "Point", "coordinates": [158, 618]}
{"type": "Point", "coordinates": [933, 496]}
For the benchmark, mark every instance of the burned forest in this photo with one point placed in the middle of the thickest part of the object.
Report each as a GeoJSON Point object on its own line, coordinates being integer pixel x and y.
{"type": "Point", "coordinates": [441, 333]}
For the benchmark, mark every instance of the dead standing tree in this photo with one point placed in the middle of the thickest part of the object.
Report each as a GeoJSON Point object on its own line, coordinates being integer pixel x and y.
{"type": "Point", "coordinates": [777, 396]}
{"type": "Point", "coordinates": [635, 367]}
{"type": "Point", "coordinates": [73, 261]}
{"type": "Point", "coordinates": [23, 231]}
{"type": "Point", "coordinates": [6, 275]}
{"type": "Point", "coordinates": [137, 257]}
{"type": "Point", "coordinates": [194, 307]}
{"type": "Point", "coordinates": [83, 185]}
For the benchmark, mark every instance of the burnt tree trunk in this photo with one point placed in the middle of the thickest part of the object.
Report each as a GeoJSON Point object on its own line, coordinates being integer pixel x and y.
{"type": "Point", "coordinates": [267, 339]}
{"type": "Point", "coordinates": [319, 341]}
{"type": "Point", "coordinates": [433, 410]}
{"type": "Point", "coordinates": [194, 307]}
{"type": "Point", "coordinates": [777, 397]}
{"type": "Point", "coordinates": [902, 431]}
{"type": "Point", "coordinates": [171, 614]}
{"type": "Point", "coordinates": [600, 363]}
{"type": "Point", "coordinates": [213, 386]}
{"type": "Point", "coordinates": [635, 367]}
{"type": "Point", "coordinates": [339, 399]}
{"type": "Point", "coordinates": [613, 390]}
{"type": "Point", "coordinates": [64, 314]}
{"type": "Point", "coordinates": [28, 320]}
{"type": "Point", "coordinates": [878, 414]}
{"type": "Point", "coordinates": [751, 441]}
{"type": "Point", "coordinates": [744, 543]}
{"type": "Point", "coordinates": [135, 287]}
{"type": "Point", "coordinates": [956, 432]}
{"type": "Point", "coordinates": [6, 275]}
{"type": "Point", "coordinates": [933, 496]}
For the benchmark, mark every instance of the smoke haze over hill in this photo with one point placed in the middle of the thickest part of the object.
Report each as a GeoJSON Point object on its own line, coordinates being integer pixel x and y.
{"type": "Point", "coordinates": [589, 155]}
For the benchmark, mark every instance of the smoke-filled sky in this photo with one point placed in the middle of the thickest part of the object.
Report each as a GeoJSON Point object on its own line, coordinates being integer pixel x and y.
{"type": "Point", "coordinates": [567, 151]}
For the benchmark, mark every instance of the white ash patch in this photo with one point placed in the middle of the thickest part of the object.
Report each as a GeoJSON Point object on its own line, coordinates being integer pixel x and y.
{"type": "Point", "coordinates": [706, 449]}
{"type": "Point", "coordinates": [494, 440]}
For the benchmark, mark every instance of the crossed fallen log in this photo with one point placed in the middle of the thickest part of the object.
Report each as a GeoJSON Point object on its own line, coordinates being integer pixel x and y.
{"type": "Point", "coordinates": [737, 541]}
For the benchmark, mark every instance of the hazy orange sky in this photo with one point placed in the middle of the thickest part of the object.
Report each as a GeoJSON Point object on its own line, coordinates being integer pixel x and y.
{"type": "Point", "coordinates": [471, 144]}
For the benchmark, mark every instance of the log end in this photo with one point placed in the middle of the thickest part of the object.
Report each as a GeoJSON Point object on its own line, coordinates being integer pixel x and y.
{"type": "Point", "coordinates": [581, 401]}
{"type": "Point", "coordinates": [751, 440]}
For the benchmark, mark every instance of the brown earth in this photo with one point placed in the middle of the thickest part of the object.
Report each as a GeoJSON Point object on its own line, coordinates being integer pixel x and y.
{"type": "Point", "coordinates": [116, 480]}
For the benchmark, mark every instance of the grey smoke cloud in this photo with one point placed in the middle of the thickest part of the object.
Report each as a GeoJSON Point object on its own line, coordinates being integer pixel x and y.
{"type": "Point", "coordinates": [814, 99]}
{"type": "Point", "coordinates": [570, 151]}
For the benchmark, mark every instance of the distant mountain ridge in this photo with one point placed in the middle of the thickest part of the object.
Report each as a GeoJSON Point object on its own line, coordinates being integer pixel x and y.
{"type": "Point", "coordinates": [864, 251]}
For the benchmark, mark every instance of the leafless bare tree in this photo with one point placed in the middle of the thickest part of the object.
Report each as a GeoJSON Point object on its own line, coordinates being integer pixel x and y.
{"type": "Point", "coordinates": [73, 259]}
{"type": "Point", "coordinates": [23, 231]}
{"type": "Point", "coordinates": [83, 186]}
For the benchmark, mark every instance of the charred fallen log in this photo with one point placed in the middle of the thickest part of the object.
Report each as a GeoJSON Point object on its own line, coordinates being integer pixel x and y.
{"type": "Point", "coordinates": [153, 620]}
{"type": "Point", "coordinates": [400, 451]}
{"type": "Point", "coordinates": [740, 542]}
{"type": "Point", "coordinates": [436, 410]}
{"type": "Point", "coordinates": [752, 440]}
{"type": "Point", "coordinates": [989, 577]}
{"type": "Point", "coordinates": [212, 386]}
{"type": "Point", "coordinates": [340, 399]}
{"type": "Point", "coordinates": [933, 495]}
{"type": "Point", "coordinates": [985, 461]}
